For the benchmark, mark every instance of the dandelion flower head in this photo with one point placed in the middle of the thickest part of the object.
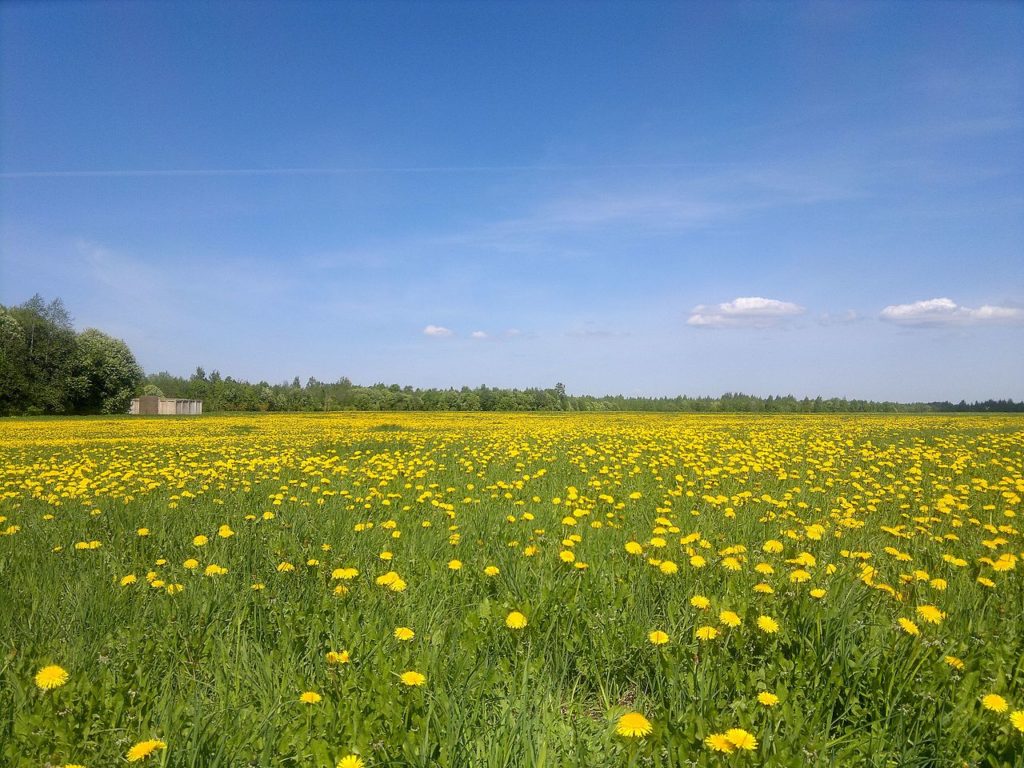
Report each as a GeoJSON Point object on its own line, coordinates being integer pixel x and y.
{"type": "Point", "coordinates": [633, 725]}
{"type": "Point", "coordinates": [515, 620]}
{"type": "Point", "coordinates": [144, 749]}
{"type": "Point", "coordinates": [51, 677]}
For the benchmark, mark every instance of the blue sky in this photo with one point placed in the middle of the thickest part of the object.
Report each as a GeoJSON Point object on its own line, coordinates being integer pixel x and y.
{"type": "Point", "coordinates": [644, 198]}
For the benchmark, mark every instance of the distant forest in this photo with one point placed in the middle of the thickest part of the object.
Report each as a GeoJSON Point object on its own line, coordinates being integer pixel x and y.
{"type": "Point", "coordinates": [226, 394]}
{"type": "Point", "coordinates": [46, 367]}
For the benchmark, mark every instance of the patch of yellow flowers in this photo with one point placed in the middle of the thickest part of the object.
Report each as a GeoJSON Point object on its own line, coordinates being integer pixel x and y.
{"type": "Point", "coordinates": [743, 525]}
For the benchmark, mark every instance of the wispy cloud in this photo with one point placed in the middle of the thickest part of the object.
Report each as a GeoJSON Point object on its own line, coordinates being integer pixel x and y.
{"type": "Point", "coordinates": [656, 205]}
{"type": "Point", "coordinates": [593, 330]}
{"type": "Point", "coordinates": [841, 318]}
{"type": "Point", "coordinates": [344, 171]}
{"type": "Point", "coordinates": [438, 331]}
{"type": "Point", "coordinates": [744, 312]}
{"type": "Point", "coordinates": [479, 335]}
{"type": "Point", "coordinates": [946, 312]}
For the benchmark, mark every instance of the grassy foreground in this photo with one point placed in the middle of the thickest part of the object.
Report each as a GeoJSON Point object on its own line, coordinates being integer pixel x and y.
{"type": "Point", "coordinates": [578, 591]}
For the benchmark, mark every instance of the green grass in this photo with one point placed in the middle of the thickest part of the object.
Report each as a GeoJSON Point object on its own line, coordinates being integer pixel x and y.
{"type": "Point", "coordinates": [216, 670]}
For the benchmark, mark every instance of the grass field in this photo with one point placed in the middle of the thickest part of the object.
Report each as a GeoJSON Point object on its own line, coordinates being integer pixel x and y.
{"type": "Point", "coordinates": [579, 591]}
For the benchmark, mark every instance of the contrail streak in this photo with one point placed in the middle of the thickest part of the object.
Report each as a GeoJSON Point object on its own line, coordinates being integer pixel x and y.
{"type": "Point", "coordinates": [424, 169]}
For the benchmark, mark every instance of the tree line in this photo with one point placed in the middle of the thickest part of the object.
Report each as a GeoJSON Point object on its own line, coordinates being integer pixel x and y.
{"type": "Point", "coordinates": [223, 393]}
{"type": "Point", "coordinates": [46, 367]}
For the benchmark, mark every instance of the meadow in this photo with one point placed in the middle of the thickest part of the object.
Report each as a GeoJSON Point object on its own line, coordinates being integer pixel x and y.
{"type": "Point", "coordinates": [512, 590]}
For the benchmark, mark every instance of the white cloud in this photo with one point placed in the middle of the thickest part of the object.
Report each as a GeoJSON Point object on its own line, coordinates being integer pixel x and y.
{"type": "Point", "coordinates": [746, 311]}
{"type": "Point", "coordinates": [943, 311]}
{"type": "Point", "coordinates": [438, 331]}
{"type": "Point", "coordinates": [479, 334]}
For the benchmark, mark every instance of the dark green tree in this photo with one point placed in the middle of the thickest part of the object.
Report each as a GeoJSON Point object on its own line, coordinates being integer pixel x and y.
{"type": "Point", "coordinates": [46, 356]}
{"type": "Point", "coordinates": [104, 374]}
{"type": "Point", "coordinates": [13, 353]}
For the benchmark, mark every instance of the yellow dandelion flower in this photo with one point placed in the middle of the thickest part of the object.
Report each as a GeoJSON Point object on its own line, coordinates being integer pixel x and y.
{"type": "Point", "coordinates": [993, 702]}
{"type": "Point", "coordinates": [351, 761]}
{"type": "Point", "coordinates": [340, 590]}
{"type": "Point", "coordinates": [930, 613]}
{"type": "Point", "coordinates": [454, 565]}
{"type": "Point", "coordinates": [337, 657]}
{"type": "Point", "coordinates": [310, 697]}
{"type": "Point", "coordinates": [729, 618]}
{"type": "Point", "coordinates": [719, 742]}
{"type": "Point", "coordinates": [700, 602]}
{"type": "Point", "coordinates": [741, 739]}
{"type": "Point", "coordinates": [404, 634]}
{"type": "Point", "coordinates": [767, 624]}
{"type": "Point", "coordinates": [954, 662]}
{"type": "Point", "coordinates": [515, 620]}
{"type": "Point", "coordinates": [697, 561]}
{"type": "Point", "coordinates": [1004, 563]}
{"type": "Point", "coordinates": [908, 626]}
{"type": "Point", "coordinates": [657, 637]}
{"type": "Point", "coordinates": [215, 570]}
{"type": "Point", "coordinates": [633, 725]}
{"type": "Point", "coordinates": [191, 564]}
{"type": "Point", "coordinates": [199, 541]}
{"type": "Point", "coordinates": [668, 568]}
{"type": "Point", "coordinates": [491, 570]}
{"type": "Point", "coordinates": [51, 677]}
{"type": "Point", "coordinates": [634, 548]}
{"type": "Point", "coordinates": [285, 567]}
{"type": "Point", "coordinates": [144, 749]}
{"type": "Point", "coordinates": [1017, 720]}
{"type": "Point", "coordinates": [567, 556]}
{"type": "Point", "coordinates": [225, 532]}
{"type": "Point", "coordinates": [707, 633]}
{"type": "Point", "coordinates": [143, 532]}
{"type": "Point", "coordinates": [818, 593]}
{"type": "Point", "coordinates": [767, 698]}
{"type": "Point", "coordinates": [129, 579]}
{"type": "Point", "coordinates": [799, 576]}
{"type": "Point", "coordinates": [413, 678]}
